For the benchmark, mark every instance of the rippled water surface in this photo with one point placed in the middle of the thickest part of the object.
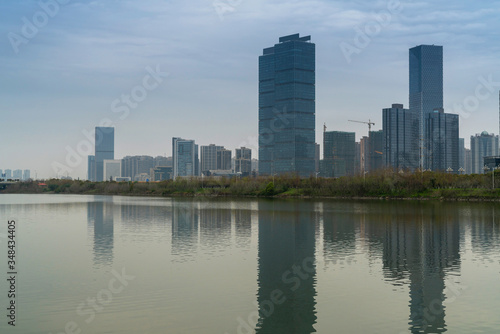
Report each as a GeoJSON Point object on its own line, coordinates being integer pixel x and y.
{"type": "Point", "coordinates": [97, 264]}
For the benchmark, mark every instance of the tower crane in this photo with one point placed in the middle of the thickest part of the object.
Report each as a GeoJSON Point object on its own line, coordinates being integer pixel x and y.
{"type": "Point", "coordinates": [370, 123]}
{"type": "Point", "coordinates": [363, 160]}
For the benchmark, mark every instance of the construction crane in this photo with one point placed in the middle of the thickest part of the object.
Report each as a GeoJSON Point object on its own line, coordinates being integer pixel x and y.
{"type": "Point", "coordinates": [370, 123]}
{"type": "Point", "coordinates": [363, 162]}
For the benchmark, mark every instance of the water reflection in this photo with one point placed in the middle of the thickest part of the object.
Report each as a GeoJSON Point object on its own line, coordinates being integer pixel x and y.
{"type": "Point", "coordinates": [421, 248]}
{"type": "Point", "coordinates": [287, 272]}
{"type": "Point", "coordinates": [100, 219]}
{"type": "Point", "coordinates": [185, 218]}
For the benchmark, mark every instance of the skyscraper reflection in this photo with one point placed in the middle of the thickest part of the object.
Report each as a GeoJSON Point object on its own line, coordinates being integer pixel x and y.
{"type": "Point", "coordinates": [100, 219]}
{"type": "Point", "coordinates": [287, 272]}
{"type": "Point", "coordinates": [422, 247]}
{"type": "Point", "coordinates": [185, 221]}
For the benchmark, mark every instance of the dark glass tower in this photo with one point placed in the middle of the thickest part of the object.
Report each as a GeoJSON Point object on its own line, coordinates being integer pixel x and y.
{"type": "Point", "coordinates": [400, 127]}
{"type": "Point", "coordinates": [442, 142]}
{"type": "Point", "coordinates": [287, 107]}
{"type": "Point", "coordinates": [104, 149]}
{"type": "Point", "coordinates": [426, 86]}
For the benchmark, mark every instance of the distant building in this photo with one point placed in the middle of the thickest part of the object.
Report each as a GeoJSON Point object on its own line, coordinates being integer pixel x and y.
{"type": "Point", "coordinates": [491, 163]}
{"type": "Point", "coordinates": [376, 150]}
{"type": "Point", "coordinates": [123, 179]}
{"type": "Point", "coordinates": [26, 175]}
{"type": "Point", "coordinates": [8, 174]}
{"type": "Point", "coordinates": [18, 174]}
{"type": "Point", "coordinates": [461, 153]}
{"type": "Point", "coordinates": [162, 161]}
{"type": "Point", "coordinates": [468, 161]}
{"type": "Point", "coordinates": [243, 161]}
{"type": "Point", "coordinates": [401, 141]}
{"type": "Point", "coordinates": [161, 173]}
{"type": "Point", "coordinates": [112, 169]}
{"type": "Point", "coordinates": [91, 168]}
{"type": "Point", "coordinates": [208, 155]}
{"type": "Point", "coordinates": [317, 157]}
{"type": "Point", "coordinates": [224, 159]}
{"type": "Point", "coordinates": [482, 145]}
{"type": "Point", "coordinates": [363, 154]}
{"type": "Point", "coordinates": [104, 149]}
{"type": "Point", "coordinates": [442, 141]}
{"type": "Point", "coordinates": [338, 153]}
{"type": "Point", "coordinates": [426, 87]}
{"type": "Point", "coordinates": [185, 158]}
{"type": "Point", "coordinates": [357, 158]}
{"type": "Point", "coordinates": [255, 166]}
{"type": "Point", "coordinates": [132, 166]}
{"type": "Point", "coordinates": [287, 107]}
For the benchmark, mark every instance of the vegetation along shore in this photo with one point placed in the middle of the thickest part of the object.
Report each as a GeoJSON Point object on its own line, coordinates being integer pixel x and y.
{"type": "Point", "coordinates": [382, 184]}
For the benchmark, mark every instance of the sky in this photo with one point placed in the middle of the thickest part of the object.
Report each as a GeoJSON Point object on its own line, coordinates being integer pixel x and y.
{"type": "Point", "coordinates": [157, 69]}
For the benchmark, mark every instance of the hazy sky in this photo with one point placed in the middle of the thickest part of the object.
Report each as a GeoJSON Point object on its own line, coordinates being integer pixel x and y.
{"type": "Point", "coordinates": [64, 72]}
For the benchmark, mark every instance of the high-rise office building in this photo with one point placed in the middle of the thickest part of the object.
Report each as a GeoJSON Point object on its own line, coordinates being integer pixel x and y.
{"type": "Point", "coordinates": [338, 153]}
{"type": "Point", "coordinates": [243, 161]}
{"type": "Point", "coordinates": [426, 87]}
{"type": "Point", "coordinates": [104, 149]}
{"type": "Point", "coordinates": [482, 145]}
{"type": "Point", "coordinates": [26, 175]}
{"type": "Point", "coordinates": [287, 107]}
{"type": "Point", "coordinates": [91, 168]}
{"type": "Point", "coordinates": [185, 158]}
{"type": "Point", "coordinates": [112, 169]}
{"type": "Point", "coordinates": [8, 174]}
{"type": "Point", "coordinates": [442, 142]}
{"type": "Point", "coordinates": [400, 142]}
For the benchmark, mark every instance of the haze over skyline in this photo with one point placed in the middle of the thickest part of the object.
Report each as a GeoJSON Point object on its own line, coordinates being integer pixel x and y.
{"type": "Point", "coordinates": [66, 77]}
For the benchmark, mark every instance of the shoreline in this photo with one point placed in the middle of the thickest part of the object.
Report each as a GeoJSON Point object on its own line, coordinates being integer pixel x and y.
{"type": "Point", "coordinates": [381, 186]}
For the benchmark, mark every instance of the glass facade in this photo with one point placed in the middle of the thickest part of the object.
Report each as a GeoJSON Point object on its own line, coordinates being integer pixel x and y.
{"type": "Point", "coordinates": [426, 86]}
{"type": "Point", "coordinates": [483, 145]}
{"type": "Point", "coordinates": [339, 149]}
{"type": "Point", "coordinates": [376, 150]}
{"type": "Point", "coordinates": [400, 142]}
{"type": "Point", "coordinates": [104, 149]}
{"type": "Point", "coordinates": [442, 142]}
{"type": "Point", "coordinates": [185, 158]}
{"type": "Point", "coordinates": [287, 107]}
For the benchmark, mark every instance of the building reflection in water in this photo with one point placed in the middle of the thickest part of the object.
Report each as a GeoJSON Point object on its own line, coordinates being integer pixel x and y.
{"type": "Point", "coordinates": [286, 263]}
{"type": "Point", "coordinates": [422, 247]}
{"type": "Point", "coordinates": [185, 221]}
{"type": "Point", "coordinates": [100, 220]}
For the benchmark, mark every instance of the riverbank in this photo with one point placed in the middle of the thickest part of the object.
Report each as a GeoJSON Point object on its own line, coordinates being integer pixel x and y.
{"type": "Point", "coordinates": [383, 184]}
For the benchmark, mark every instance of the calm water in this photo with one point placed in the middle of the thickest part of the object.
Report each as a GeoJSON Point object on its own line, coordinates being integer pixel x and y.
{"type": "Point", "coordinates": [97, 264]}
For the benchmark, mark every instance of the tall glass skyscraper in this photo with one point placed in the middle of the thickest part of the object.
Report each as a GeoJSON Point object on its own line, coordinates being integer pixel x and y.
{"type": "Point", "coordinates": [401, 147]}
{"type": "Point", "coordinates": [104, 149]}
{"type": "Point", "coordinates": [287, 107]}
{"type": "Point", "coordinates": [185, 158]}
{"type": "Point", "coordinates": [426, 86]}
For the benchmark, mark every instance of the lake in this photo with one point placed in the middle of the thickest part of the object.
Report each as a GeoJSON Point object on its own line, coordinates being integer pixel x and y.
{"type": "Point", "coordinates": [111, 264]}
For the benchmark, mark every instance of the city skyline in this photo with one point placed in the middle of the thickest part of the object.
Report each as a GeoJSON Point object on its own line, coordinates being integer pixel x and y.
{"type": "Point", "coordinates": [212, 71]}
